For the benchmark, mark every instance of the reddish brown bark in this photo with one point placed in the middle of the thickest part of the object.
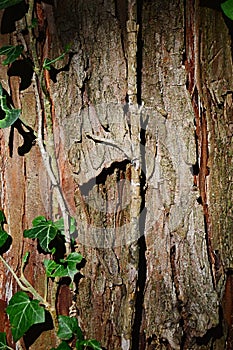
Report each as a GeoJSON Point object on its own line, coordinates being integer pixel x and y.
{"type": "Point", "coordinates": [185, 246]}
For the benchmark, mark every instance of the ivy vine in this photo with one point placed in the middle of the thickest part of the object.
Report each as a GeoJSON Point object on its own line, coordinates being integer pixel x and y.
{"type": "Point", "coordinates": [23, 311]}
{"type": "Point", "coordinates": [27, 307]}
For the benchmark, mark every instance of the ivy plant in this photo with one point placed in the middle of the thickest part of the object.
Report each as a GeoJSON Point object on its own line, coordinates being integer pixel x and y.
{"type": "Point", "coordinates": [25, 311]}
{"type": "Point", "coordinates": [44, 230]}
{"type": "Point", "coordinates": [48, 63]}
{"type": "Point", "coordinates": [11, 52]}
{"type": "Point", "coordinates": [11, 114]}
{"type": "Point", "coordinates": [3, 234]}
{"type": "Point", "coordinates": [27, 307]}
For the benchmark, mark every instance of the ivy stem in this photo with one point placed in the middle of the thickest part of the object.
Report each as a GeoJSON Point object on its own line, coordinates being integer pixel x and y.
{"type": "Point", "coordinates": [47, 163]}
{"type": "Point", "coordinates": [25, 285]}
{"type": "Point", "coordinates": [14, 274]}
{"type": "Point", "coordinates": [41, 103]}
{"type": "Point", "coordinates": [53, 302]}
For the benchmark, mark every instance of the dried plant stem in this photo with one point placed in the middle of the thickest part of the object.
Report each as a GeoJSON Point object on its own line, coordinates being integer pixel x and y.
{"type": "Point", "coordinates": [43, 105]}
{"type": "Point", "coordinates": [47, 163]}
{"type": "Point", "coordinates": [25, 285]}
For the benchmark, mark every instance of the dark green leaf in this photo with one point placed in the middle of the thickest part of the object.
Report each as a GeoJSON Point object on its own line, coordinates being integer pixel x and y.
{"type": "Point", "coordinates": [60, 225]}
{"type": "Point", "coordinates": [73, 259]}
{"type": "Point", "coordinates": [66, 268]}
{"type": "Point", "coordinates": [47, 62]}
{"type": "Point", "coordinates": [71, 272]}
{"type": "Point", "coordinates": [45, 231]}
{"type": "Point", "coordinates": [11, 52]}
{"type": "Point", "coordinates": [54, 270]}
{"type": "Point", "coordinates": [3, 234]}
{"type": "Point", "coordinates": [79, 334]}
{"type": "Point", "coordinates": [38, 220]}
{"type": "Point", "coordinates": [3, 344]}
{"type": "Point", "coordinates": [11, 114]}
{"type": "Point", "coordinates": [79, 345]}
{"type": "Point", "coordinates": [2, 216]}
{"type": "Point", "coordinates": [60, 271]}
{"type": "Point", "coordinates": [72, 225]}
{"type": "Point", "coordinates": [68, 326]}
{"type": "Point", "coordinates": [3, 237]}
{"type": "Point", "coordinates": [50, 266]}
{"type": "Point", "coordinates": [62, 346]}
{"type": "Point", "coordinates": [92, 343]}
{"type": "Point", "coordinates": [227, 8]}
{"type": "Point", "coordinates": [7, 3]}
{"type": "Point", "coordinates": [24, 313]}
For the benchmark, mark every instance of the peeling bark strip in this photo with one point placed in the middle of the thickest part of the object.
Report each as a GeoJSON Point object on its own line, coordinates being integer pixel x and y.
{"type": "Point", "coordinates": [201, 105]}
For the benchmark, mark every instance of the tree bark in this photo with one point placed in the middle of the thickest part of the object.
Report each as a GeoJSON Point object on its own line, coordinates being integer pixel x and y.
{"type": "Point", "coordinates": [161, 279]}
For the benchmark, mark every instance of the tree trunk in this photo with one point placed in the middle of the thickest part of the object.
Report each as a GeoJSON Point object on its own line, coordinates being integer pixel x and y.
{"type": "Point", "coordinates": [162, 278]}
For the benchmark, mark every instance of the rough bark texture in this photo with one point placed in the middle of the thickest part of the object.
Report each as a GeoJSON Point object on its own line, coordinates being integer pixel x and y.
{"type": "Point", "coordinates": [171, 285]}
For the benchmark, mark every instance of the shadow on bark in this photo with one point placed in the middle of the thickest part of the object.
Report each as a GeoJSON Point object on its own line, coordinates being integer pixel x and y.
{"type": "Point", "coordinates": [35, 331]}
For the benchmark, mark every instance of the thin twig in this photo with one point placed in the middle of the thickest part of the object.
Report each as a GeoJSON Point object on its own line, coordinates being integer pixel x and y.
{"type": "Point", "coordinates": [109, 142]}
{"type": "Point", "coordinates": [24, 288]}
{"type": "Point", "coordinates": [47, 163]}
{"type": "Point", "coordinates": [38, 78]}
{"type": "Point", "coordinates": [24, 284]}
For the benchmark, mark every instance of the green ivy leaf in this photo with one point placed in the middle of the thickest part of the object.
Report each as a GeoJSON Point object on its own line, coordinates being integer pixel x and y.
{"type": "Point", "coordinates": [38, 220]}
{"type": "Point", "coordinates": [227, 8]}
{"type": "Point", "coordinates": [53, 269]}
{"type": "Point", "coordinates": [11, 114]}
{"type": "Point", "coordinates": [47, 62]}
{"type": "Point", "coordinates": [3, 343]}
{"type": "Point", "coordinates": [2, 216]}
{"type": "Point", "coordinates": [79, 334]}
{"type": "Point", "coordinates": [68, 326]}
{"type": "Point", "coordinates": [79, 345]}
{"type": "Point", "coordinates": [91, 343]}
{"type": "Point", "coordinates": [62, 346]}
{"type": "Point", "coordinates": [65, 268]}
{"type": "Point", "coordinates": [44, 230]}
{"type": "Point", "coordinates": [11, 52]}
{"type": "Point", "coordinates": [24, 313]}
{"type": "Point", "coordinates": [3, 237]}
{"type": "Point", "coordinates": [3, 234]}
{"type": "Point", "coordinates": [60, 225]}
{"type": "Point", "coordinates": [72, 260]}
{"type": "Point", "coordinates": [57, 270]}
{"type": "Point", "coordinates": [7, 3]}
{"type": "Point", "coordinates": [50, 266]}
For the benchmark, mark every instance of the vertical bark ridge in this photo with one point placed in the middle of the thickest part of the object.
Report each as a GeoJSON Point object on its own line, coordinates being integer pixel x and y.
{"type": "Point", "coordinates": [135, 206]}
